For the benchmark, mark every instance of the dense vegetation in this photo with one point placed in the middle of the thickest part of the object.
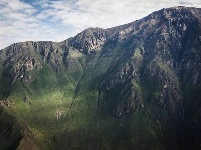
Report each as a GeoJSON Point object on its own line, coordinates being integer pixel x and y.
{"type": "Point", "coordinates": [136, 86]}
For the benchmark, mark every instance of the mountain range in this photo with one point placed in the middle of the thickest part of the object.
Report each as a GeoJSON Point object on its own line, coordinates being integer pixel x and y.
{"type": "Point", "coordinates": [134, 86]}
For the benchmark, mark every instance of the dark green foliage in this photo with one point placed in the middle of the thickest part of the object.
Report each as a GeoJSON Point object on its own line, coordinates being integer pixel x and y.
{"type": "Point", "coordinates": [136, 86]}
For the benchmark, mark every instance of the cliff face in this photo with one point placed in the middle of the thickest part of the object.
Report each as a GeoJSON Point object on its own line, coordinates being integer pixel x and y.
{"type": "Point", "coordinates": [133, 86]}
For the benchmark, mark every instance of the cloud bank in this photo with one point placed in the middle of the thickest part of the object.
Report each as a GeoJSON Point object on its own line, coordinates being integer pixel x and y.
{"type": "Point", "coordinates": [57, 20]}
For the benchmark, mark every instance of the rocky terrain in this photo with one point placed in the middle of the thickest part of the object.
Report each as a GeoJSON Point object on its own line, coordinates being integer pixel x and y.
{"type": "Point", "coordinates": [135, 86]}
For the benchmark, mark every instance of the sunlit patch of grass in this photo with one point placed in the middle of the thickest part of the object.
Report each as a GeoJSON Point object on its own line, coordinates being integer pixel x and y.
{"type": "Point", "coordinates": [137, 86]}
{"type": "Point", "coordinates": [62, 108]}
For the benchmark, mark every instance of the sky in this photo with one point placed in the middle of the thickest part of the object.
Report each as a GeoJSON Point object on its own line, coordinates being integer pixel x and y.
{"type": "Point", "coordinates": [57, 20]}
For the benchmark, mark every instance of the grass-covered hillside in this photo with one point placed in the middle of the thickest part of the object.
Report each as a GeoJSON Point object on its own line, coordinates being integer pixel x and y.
{"type": "Point", "coordinates": [135, 86]}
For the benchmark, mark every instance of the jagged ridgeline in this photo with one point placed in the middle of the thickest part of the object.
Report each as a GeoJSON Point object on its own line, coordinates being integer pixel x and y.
{"type": "Point", "coordinates": [135, 86]}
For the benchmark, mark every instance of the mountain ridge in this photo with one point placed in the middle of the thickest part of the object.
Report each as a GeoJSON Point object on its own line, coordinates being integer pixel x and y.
{"type": "Point", "coordinates": [140, 82]}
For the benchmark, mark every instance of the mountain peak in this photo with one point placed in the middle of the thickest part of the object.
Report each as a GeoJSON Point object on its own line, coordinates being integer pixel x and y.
{"type": "Point", "coordinates": [140, 82]}
{"type": "Point", "coordinates": [92, 39]}
{"type": "Point", "coordinates": [177, 12]}
{"type": "Point", "coordinates": [89, 40]}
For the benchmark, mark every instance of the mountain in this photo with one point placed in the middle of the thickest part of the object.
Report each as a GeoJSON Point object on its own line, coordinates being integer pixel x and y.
{"type": "Point", "coordinates": [135, 86]}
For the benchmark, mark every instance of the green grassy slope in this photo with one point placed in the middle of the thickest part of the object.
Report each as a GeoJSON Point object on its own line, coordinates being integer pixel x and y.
{"type": "Point", "coordinates": [63, 108]}
{"type": "Point", "coordinates": [128, 87]}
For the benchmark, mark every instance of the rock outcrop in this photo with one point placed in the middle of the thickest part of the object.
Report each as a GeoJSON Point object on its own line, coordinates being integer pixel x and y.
{"type": "Point", "coordinates": [140, 82]}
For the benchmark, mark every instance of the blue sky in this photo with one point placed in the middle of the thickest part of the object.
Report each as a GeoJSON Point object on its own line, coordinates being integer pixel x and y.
{"type": "Point", "coordinates": [57, 20]}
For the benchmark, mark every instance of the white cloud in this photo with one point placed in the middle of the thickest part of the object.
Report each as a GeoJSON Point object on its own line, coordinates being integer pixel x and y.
{"type": "Point", "coordinates": [20, 21]}
{"type": "Point", "coordinates": [105, 13]}
{"type": "Point", "coordinates": [58, 20]}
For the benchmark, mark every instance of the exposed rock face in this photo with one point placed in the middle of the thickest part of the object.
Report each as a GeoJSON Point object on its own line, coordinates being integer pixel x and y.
{"type": "Point", "coordinates": [88, 41]}
{"type": "Point", "coordinates": [129, 100]}
{"type": "Point", "coordinates": [140, 81]}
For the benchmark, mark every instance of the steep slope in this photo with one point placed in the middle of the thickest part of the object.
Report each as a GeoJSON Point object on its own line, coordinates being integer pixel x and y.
{"type": "Point", "coordinates": [135, 86]}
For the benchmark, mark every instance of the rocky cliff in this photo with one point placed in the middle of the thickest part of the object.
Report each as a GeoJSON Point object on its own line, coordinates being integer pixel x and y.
{"type": "Point", "coordinates": [135, 86]}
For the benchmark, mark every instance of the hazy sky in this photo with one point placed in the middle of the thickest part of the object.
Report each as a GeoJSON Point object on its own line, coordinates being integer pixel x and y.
{"type": "Point", "coordinates": [57, 20]}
